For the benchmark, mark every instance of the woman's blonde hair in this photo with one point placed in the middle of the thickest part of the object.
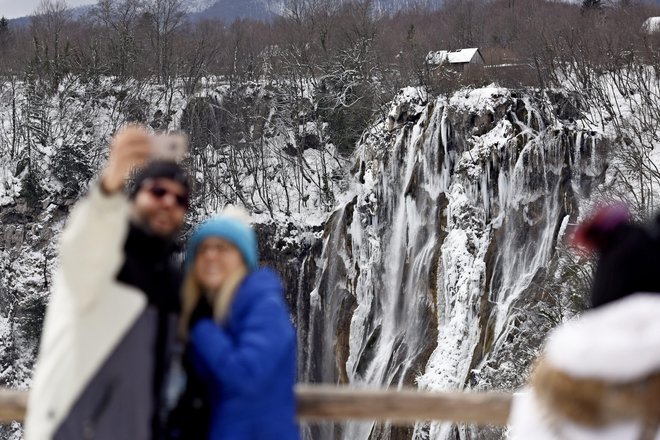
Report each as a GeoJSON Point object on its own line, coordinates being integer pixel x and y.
{"type": "Point", "coordinates": [220, 300]}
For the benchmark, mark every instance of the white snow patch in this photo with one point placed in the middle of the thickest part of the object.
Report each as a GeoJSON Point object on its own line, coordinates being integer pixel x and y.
{"type": "Point", "coordinates": [478, 99]}
{"type": "Point", "coordinates": [651, 25]}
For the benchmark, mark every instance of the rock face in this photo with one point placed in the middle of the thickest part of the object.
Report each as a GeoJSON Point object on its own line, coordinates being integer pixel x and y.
{"type": "Point", "coordinates": [27, 258]}
{"type": "Point", "coordinates": [441, 268]}
{"type": "Point", "coordinates": [434, 272]}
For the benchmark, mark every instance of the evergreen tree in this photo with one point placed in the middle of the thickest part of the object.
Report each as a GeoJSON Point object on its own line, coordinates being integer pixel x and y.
{"type": "Point", "coordinates": [4, 32]}
{"type": "Point", "coordinates": [4, 26]}
{"type": "Point", "coordinates": [31, 190]}
{"type": "Point", "coordinates": [72, 167]}
{"type": "Point", "coordinates": [592, 4]}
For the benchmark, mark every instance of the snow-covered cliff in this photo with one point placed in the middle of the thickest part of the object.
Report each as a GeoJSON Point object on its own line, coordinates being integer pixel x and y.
{"type": "Point", "coordinates": [434, 257]}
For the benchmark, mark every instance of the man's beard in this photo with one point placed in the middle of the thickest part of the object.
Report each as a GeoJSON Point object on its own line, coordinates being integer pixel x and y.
{"type": "Point", "coordinates": [141, 221]}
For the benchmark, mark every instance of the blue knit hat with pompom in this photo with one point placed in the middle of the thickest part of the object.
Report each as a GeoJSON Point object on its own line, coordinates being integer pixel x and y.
{"type": "Point", "coordinates": [230, 227]}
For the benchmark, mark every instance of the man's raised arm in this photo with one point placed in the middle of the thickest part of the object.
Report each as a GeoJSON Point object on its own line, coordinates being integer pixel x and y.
{"type": "Point", "coordinates": [91, 247]}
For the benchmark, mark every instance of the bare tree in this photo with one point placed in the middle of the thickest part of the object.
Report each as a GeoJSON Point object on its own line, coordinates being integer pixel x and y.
{"type": "Point", "coordinates": [165, 17]}
{"type": "Point", "coordinates": [197, 50]}
{"type": "Point", "coordinates": [120, 19]}
{"type": "Point", "coordinates": [51, 47]}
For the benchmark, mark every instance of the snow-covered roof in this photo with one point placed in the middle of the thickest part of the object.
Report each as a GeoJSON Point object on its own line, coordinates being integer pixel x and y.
{"type": "Point", "coordinates": [459, 56]}
{"type": "Point", "coordinates": [651, 25]}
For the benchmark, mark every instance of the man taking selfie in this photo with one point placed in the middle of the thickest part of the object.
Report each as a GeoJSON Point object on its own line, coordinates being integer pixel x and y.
{"type": "Point", "coordinates": [112, 314]}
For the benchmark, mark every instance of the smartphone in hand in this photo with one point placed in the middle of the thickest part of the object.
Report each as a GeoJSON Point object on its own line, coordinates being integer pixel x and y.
{"type": "Point", "coordinates": [170, 146]}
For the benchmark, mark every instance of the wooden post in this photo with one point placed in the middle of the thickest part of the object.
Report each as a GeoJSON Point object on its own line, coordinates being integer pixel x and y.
{"type": "Point", "coordinates": [12, 405]}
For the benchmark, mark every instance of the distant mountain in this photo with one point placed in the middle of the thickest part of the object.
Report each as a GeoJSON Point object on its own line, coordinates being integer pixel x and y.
{"type": "Point", "coordinates": [19, 22]}
{"type": "Point", "coordinates": [77, 13]}
{"type": "Point", "coordinates": [231, 10]}
{"type": "Point", "coordinates": [81, 11]}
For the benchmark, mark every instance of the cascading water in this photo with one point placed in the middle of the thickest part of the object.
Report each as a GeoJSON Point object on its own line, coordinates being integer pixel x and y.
{"type": "Point", "coordinates": [428, 268]}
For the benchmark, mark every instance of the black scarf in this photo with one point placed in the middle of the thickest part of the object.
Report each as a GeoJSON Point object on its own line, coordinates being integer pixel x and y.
{"type": "Point", "coordinates": [150, 265]}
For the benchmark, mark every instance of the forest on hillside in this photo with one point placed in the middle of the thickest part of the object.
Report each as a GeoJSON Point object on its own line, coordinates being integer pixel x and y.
{"type": "Point", "coordinates": [336, 64]}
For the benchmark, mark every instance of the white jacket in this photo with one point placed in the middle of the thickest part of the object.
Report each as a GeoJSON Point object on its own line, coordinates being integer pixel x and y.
{"type": "Point", "coordinates": [89, 311]}
{"type": "Point", "coordinates": [618, 345]}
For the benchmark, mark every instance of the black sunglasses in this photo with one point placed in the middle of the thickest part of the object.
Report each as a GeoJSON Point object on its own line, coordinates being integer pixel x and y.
{"type": "Point", "coordinates": [159, 192]}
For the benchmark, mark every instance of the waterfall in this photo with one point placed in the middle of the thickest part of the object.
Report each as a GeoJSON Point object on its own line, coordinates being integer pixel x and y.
{"type": "Point", "coordinates": [433, 263]}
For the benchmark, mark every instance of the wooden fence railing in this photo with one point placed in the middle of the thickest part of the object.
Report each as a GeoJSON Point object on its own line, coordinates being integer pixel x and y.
{"type": "Point", "coordinates": [330, 403]}
{"type": "Point", "coordinates": [12, 405]}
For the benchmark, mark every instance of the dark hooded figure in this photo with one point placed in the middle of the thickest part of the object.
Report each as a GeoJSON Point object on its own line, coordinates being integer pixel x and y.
{"type": "Point", "coordinates": [628, 254]}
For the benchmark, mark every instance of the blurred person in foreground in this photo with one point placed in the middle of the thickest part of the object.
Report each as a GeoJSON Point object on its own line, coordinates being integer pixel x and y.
{"type": "Point", "coordinates": [241, 344]}
{"type": "Point", "coordinates": [599, 375]}
{"type": "Point", "coordinates": [112, 314]}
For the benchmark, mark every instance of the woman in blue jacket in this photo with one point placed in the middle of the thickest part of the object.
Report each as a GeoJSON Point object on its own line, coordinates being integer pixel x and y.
{"type": "Point", "coordinates": [241, 343]}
